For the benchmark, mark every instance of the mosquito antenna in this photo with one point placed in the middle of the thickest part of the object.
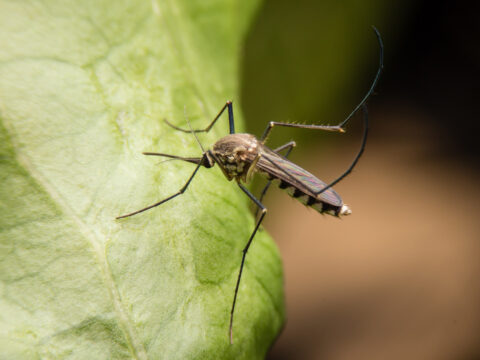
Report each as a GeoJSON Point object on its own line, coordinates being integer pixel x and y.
{"type": "Point", "coordinates": [375, 80]}
{"type": "Point", "coordinates": [190, 127]}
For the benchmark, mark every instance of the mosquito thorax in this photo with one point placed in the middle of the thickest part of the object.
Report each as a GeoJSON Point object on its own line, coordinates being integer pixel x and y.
{"type": "Point", "coordinates": [235, 154]}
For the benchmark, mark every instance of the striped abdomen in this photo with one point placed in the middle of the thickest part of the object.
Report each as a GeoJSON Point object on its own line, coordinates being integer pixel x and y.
{"type": "Point", "coordinates": [317, 203]}
{"type": "Point", "coordinates": [300, 184]}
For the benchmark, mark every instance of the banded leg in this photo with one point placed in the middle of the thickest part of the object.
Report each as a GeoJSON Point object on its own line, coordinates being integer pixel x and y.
{"type": "Point", "coordinates": [289, 146]}
{"type": "Point", "coordinates": [245, 250]}
{"type": "Point", "coordinates": [228, 105]}
{"type": "Point", "coordinates": [179, 192]}
{"type": "Point", "coordinates": [340, 126]}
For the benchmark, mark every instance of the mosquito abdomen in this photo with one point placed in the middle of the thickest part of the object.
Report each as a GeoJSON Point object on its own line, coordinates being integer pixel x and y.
{"type": "Point", "coordinates": [322, 207]}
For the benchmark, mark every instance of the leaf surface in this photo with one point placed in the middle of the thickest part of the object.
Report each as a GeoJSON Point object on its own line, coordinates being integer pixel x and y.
{"type": "Point", "coordinates": [84, 87]}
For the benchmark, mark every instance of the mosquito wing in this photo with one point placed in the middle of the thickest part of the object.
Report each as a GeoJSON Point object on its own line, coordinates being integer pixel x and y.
{"type": "Point", "coordinates": [292, 177]}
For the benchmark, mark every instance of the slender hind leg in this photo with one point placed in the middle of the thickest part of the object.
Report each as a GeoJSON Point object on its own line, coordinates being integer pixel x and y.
{"type": "Point", "coordinates": [340, 126]}
{"type": "Point", "coordinates": [245, 250]}
{"type": "Point", "coordinates": [357, 157]}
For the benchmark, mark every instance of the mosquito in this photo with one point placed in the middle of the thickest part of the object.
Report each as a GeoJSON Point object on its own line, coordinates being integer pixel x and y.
{"type": "Point", "coordinates": [239, 156]}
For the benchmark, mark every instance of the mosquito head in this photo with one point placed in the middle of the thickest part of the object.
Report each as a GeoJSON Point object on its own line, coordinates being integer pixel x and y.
{"type": "Point", "coordinates": [207, 159]}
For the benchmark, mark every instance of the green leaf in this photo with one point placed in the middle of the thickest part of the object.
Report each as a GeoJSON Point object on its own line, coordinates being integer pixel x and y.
{"type": "Point", "coordinates": [84, 86]}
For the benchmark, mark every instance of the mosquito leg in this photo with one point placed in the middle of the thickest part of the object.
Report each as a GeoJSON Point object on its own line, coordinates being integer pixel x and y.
{"type": "Point", "coordinates": [245, 250]}
{"type": "Point", "coordinates": [271, 124]}
{"type": "Point", "coordinates": [228, 105]}
{"type": "Point", "coordinates": [357, 157]}
{"type": "Point", "coordinates": [179, 192]}
{"type": "Point", "coordinates": [289, 146]}
{"type": "Point", "coordinates": [354, 162]}
{"type": "Point", "coordinates": [340, 126]}
{"type": "Point", "coordinates": [374, 82]}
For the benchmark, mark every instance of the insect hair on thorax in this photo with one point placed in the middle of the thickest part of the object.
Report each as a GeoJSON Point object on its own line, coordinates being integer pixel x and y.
{"type": "Point", "coordinates": [236, 154]}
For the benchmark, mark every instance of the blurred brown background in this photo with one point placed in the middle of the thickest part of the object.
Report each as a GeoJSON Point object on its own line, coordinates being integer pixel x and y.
{"type": "Point", "coordinates": [400, 277]}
